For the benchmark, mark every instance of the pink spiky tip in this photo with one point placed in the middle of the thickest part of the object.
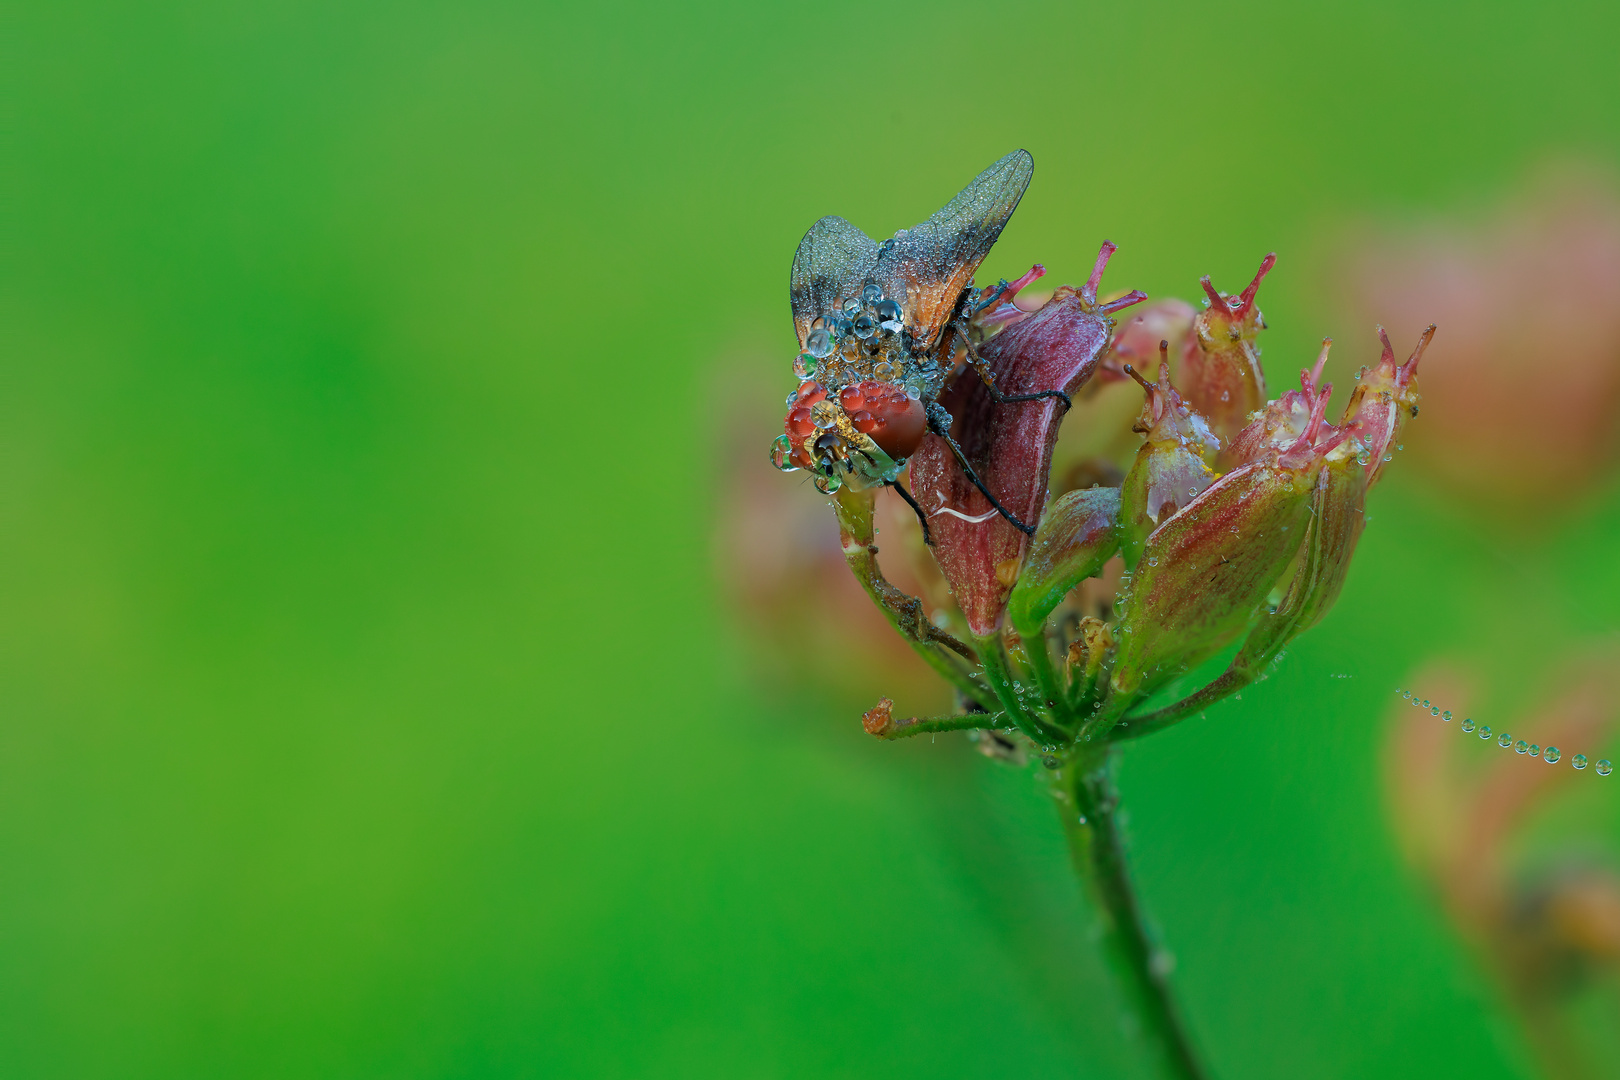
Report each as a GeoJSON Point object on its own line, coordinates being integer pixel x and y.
{"type": "Point", "coordinates": [1245, 299]}
{"type": "Point", "coordinates": [1088, 291]}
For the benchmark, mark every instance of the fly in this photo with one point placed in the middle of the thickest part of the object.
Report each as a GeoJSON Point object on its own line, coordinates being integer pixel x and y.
{"type": "Point", "coordinates": [884, 328]}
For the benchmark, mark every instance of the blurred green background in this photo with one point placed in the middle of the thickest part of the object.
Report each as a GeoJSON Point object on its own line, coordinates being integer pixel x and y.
{"type": "Point", "coordinates": [367, 702]}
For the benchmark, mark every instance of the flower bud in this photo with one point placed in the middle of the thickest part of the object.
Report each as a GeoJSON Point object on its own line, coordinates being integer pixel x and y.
{"type": "Point", "coordinates": [1170, 469]}
{"type": "Point", "coordinates": [1076, 536]}
{"type": "Point", "coordinates": [1282, 422]}
{"type": "Point", "coordinates": [1384, 398]}
{"type": "Point", "coordinates": [1220, 375]}
{"type": "Point", "coordinates": [1208, 568]}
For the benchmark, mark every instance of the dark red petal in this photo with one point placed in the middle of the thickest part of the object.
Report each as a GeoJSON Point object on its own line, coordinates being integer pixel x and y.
{"type": "Point", "coordinates": [1010, 447]}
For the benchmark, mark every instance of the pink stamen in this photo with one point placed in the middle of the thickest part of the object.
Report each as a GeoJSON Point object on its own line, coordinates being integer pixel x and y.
{"type": "Point", "coordinates": [1215, 297]}
{"type": "Point", "coordinates": [1088, 291]}
{"type": "Point", "coordinates": [1409, 369]}
{"type": "Point", "coordinates": [1135, 296]}
{"type": "Point", "coordinates": [1389, 350]}
{"type": "Point", "coordinates": [1246, 299]}
{"type": "Point", "coordinates": [1313, 378]}
{"type": "Point", "coordinates": [1035, 272]}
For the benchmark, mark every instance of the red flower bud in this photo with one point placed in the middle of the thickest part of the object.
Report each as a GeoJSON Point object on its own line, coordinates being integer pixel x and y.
{"type": "Point", "coordinates": [1009, 445]}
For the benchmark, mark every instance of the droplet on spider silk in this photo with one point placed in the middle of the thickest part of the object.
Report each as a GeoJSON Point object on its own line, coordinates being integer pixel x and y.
{"type": "Point", "coordinates": [1579, 761]}
{"type": "Point", "coordinates": [1425, 703]}
{"type": "Point", "coordinates": [1604, 767]}
{"type": "Point", "coordinates": [1534, 751]}
{"type": "Point", "coordinates": [1446, 716]}
{"type": "Point", "coordinates": [1551, 755]}
{"type": "Point", "coordinates": [1468, 723]}
{"type": "Point", "coordinates": [1504, 740]}
{"type": "Point", "coordinates": [1521, 747]}
{"type": "Point", "coordinates": [1485, 731]}
{"type": "Point", "coordinates": [1434, 710]}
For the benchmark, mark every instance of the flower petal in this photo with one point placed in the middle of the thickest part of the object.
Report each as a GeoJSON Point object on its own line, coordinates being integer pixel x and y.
{"type": "Point", "coordinates": [1009, 445]}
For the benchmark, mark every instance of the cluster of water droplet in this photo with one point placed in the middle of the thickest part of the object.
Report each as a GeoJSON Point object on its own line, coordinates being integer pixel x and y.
{"type": "Point", "coordinates": [864, 338]}
{"type": "Point", "coordinates": [1551, 754]}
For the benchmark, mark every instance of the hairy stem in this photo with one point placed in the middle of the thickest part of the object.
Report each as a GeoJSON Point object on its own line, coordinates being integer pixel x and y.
{"type": "Point", "coordinates": [1039, 651]}
{"type": "Point", "coordinates": [993, 659]}
{"type": "Point", "coordinates": [1088, 802]}
{"type": "Point", "coordinates": [1134, 727]}
{"type": "Point", "coordinates": [926, 725]}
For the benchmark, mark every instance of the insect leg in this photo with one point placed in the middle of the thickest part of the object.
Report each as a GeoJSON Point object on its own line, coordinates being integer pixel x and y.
{"type": "Point", "coordinates": [928, 537]}
{"type": "Point", "coordinates": [943, 430]}
{"type": "Point", "coordinates": [983, 369]}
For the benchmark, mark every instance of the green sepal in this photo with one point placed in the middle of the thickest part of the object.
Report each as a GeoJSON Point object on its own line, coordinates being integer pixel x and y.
{"type": "Point", "coordinates": [1078, 534]}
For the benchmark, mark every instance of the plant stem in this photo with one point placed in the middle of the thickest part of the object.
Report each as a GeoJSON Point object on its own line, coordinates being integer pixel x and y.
{"type": "Point", "coordinates": [1039, 651]}
{"type": "Point", "coordinates": [993, 660]}
{"type": "Point", "coordinates": [1088, 802]}
{"type": "Point", "coordinates": [927, 725]}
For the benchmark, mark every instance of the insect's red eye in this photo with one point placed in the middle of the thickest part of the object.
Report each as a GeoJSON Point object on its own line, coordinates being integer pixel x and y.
{"type": "Point", "coordinates": [896, 422]}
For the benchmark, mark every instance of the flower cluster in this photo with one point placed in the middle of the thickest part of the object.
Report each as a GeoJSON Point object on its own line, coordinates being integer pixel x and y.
{"type": "Point", "coordinates": [1234, 524]}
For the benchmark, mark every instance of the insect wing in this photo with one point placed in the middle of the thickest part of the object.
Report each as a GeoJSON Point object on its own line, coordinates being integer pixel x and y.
{"type": "Point", "coordinates": [833, 259]}
{"type": "Point", "coordinates": [926, 269]}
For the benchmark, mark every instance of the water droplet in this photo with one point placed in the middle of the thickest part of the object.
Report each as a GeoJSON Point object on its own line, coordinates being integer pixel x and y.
{"type": "Point", "coordinates": [1416, 704]}
{"type": "Point", "coordinates": [828, 485]}
{"type": "Point", "coordinates": [1504, 740]}
{"type": "Point", "coordinates": [890, 316]}
{"type": "Point", "coordinates": [1521, 747]}
{"type": "Point", "coordinates": [1362, 458]}
{"type": "Point", "coordinates": [1433, 711]}
{"type": "Point", "coordinates": [1446, 716]}
{"type": "Point", "coordinates": [780, 449]}
{"type": "Point", "coordinates": [871, 294]}
{"type": "Point", "coordinates": [1426, 703]}
{"type": "Point", "coordinates": [1550, 755]}
{"type": "Point", "coordinates": [1604, 767]}
{"type": "Point", "coordinates": [1535, 750]}
{"type": "Point", "coordinates": [865, 327]}
{"type": "Point", "coordinates": [804, 365]}
{"type": "Point", "coordinates": [1468, 724]}
{"type": "Point", "coordinates": [818, 343]}
{"type": "Point", "coordinates": [1579, 761]}
{"type": "Point", "coordinates": [1485, 731]}
{"type": "Point", "coordinates": [1400, 446]}
{"type": "Point", "coordinates": [852, 308]}
{"type": "Point", "coordinates": [1154, 561]}
{"type": "Point", "coordinates": [1388, 457]}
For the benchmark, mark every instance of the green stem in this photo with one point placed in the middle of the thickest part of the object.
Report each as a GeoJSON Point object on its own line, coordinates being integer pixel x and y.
{"type": "Point", "coordinates": [1134, 727]}
{"type": "Point", "coordinates": [1088, 803]}
{"type": "Point", "coordinates": [1039, 651]}
{"type": "Point", "coordinates": [924, 725]}
{"type": "Point", "coordinates": [993, 659]}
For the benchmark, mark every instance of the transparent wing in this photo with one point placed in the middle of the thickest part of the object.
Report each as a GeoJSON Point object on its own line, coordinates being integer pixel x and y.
{"type": "Point", "coordinates": [927, 268]}
{"type": "Point", "coordinates": [833, 259]}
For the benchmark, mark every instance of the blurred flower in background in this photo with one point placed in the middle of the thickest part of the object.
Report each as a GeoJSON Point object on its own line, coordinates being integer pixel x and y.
{"type": "Point", "coordinates": [1496, 832]}
{"type": "Point", "coordinates": [1522, 392]}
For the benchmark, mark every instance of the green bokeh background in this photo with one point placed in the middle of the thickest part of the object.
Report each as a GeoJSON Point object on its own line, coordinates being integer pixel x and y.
{"type": "Point", "coordinates": [367, 707]}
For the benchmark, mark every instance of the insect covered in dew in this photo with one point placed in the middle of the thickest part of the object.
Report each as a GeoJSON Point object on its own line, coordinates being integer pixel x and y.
{"type": "Point", "coordinates": [884, 328]}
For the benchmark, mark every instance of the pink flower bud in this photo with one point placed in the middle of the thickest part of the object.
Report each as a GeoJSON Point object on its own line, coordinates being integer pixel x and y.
{"type": "Point", "coordinates": [1381, 403]}
{"type": "Point", "coordinates": [1220, 374]}
{"type": "Point", "coordinates": [1170, 469]}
